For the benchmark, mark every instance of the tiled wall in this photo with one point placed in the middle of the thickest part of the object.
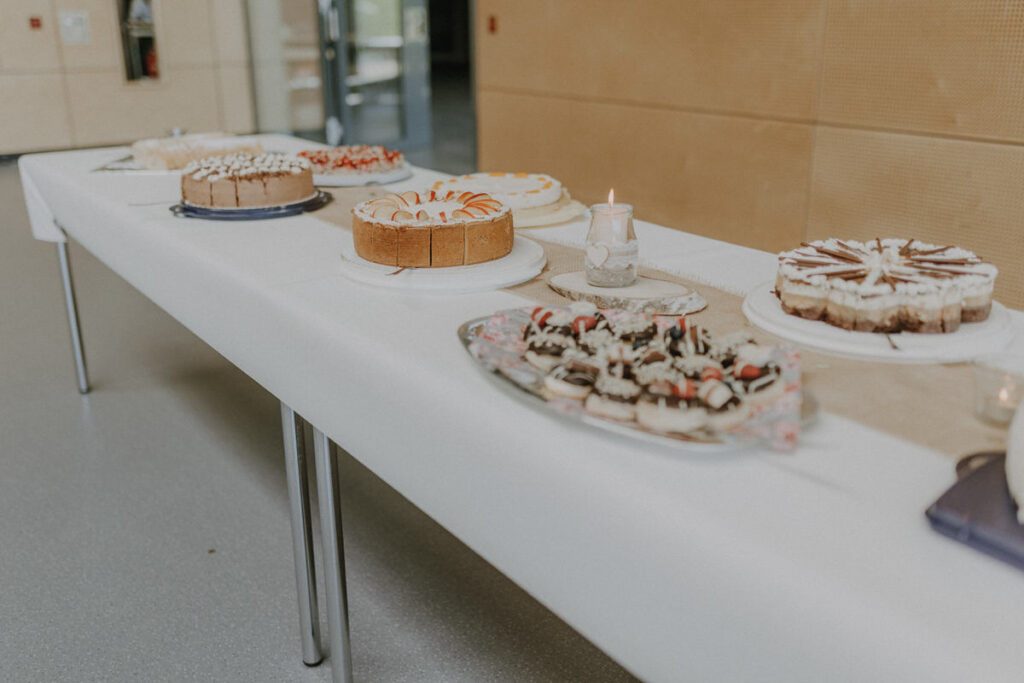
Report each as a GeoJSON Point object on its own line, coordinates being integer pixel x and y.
{"type": "Point", "coordinates": [55, 95]}
{"type": "Point", "coordinates": [765, 122]}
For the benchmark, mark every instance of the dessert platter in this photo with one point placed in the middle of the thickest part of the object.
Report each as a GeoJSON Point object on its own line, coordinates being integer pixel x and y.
{"type": "Point", "coordinates": [663, 380]}
{"type": "Point", "coordinates": [356, 165]}
{"type": "Point", "coordinates": [535, 199]}
{"type": "Point", "coordinates": [451, 242]}
{"type": "Point", "coordinates": [160, 155]}
{"type": "Point", "coordinates": [247, 187]}
{"type": "Point", "coordinates": [888, 299]}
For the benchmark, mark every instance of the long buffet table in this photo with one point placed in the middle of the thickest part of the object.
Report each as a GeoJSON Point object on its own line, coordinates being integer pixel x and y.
{"type": "Point", "coordinates": [811, 566]}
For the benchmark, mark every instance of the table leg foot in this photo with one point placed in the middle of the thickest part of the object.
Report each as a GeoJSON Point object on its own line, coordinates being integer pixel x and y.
{"type": "Point", "coordinates": [333, 558]}
{"type": "Point", "coordinates": [302, 535]}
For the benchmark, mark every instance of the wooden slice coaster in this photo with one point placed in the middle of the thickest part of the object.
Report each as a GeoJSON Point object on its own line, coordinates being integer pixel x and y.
{"type": "Point", "coordinates": [656, 297]}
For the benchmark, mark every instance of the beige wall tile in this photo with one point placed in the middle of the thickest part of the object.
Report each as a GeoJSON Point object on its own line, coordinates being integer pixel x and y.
{"type": "Point", "coordinates": [733, 178]}
{"type": "Point", "coordinates": [23, 48]}
{"type": "Point", "coordinates": [955, 66]}
{"type": "Point", "coordinates": [33, 112]}
{"type": "Point", "coordinates": [230, 41]}
{"type": "Point", "coordinates": [105, 109]}
{"type": "Point", "coordinates": [184, 35]}
{"type": "Point", "coordinates": [869, 184]}
{"type": "Point", "coordinates": [236, 103]}
{"type": "Point", "coordinates": [104, 50]}
{"type": "Point", "coordinates": [728, 55]}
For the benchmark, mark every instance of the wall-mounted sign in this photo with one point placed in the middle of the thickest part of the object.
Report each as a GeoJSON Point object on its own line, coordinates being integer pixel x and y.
{"type": "Point", "coordinates": [74, 27]}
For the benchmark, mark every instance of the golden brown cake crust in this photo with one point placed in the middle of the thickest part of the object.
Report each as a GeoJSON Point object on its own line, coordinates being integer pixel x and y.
{"type": "Point", "coordinates": [428, 230]}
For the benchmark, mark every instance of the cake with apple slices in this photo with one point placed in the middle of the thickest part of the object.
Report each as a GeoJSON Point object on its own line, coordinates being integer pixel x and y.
{"type": "Point", "coordinates": [432, 229]}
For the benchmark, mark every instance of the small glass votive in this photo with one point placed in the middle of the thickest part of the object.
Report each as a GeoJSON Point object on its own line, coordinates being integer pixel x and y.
{"type": "Point", "coordinates": [612, 250]}
{"type": "Point", "coordinates": [998, 386]}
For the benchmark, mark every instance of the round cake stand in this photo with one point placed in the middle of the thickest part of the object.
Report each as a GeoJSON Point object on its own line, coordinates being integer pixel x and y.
{"type": "Point", "coordinates": [524, 262]}
{"type": "Point", "coordinates": [763, 309]}
{"type": "Point", "coordinates": [656, 297]}
{"type": "Point", "coordinates": [361, 179]}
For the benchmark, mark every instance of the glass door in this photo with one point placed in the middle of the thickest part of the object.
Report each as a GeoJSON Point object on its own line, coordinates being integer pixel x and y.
{"type": "Point", "coordinates": [342, 71]}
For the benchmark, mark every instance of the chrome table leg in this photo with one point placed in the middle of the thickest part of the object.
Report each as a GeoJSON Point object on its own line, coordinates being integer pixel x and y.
{"type": "Point", "coordinates": [302, 535]}
{"type": "Point", "coordinates": [333, 558]}
{"type": "Point", "coordinates": [72, 309]}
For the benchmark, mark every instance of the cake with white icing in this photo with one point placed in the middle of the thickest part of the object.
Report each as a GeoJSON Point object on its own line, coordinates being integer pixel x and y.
{"type": "Point", "coordinates": [176, 152]}
{"type": "Point", "coordinates": [353, 159]}
{"type": "Point", "coordinates": [514, 190]}
{"type": "Point", "coordinates": [885, 285]}
{"type": "Point", "coordinates": [247, 181]}
{"type": "Point", "coordinates": [432, 229]}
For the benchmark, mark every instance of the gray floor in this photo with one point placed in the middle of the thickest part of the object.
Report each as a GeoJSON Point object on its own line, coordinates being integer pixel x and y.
{"type": "Point", "coordinates": [144, 532]}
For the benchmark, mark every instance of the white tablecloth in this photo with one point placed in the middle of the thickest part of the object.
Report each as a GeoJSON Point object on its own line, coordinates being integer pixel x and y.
{"type": "Point", "coordinates": [814, 566]}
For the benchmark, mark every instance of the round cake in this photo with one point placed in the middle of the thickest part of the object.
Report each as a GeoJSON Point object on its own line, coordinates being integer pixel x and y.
{"type": "Point", "coordinates": [432, 229]}
{"type": "Point", "coordinates": [886, 285]}
{"type": "Point", "coordinates": [353, 159]}
{"type": "Point", "coordinates": [177, 151]}
{"type": "Point", "coordinates": [242, 181]}
{"type": "Point", "coordinates": [514, 190]}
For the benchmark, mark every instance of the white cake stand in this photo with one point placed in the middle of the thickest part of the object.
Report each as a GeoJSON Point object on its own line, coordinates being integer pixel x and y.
{"type": "Point", "coordinates": [361, 179]}
{"type": "Point", "coordinates": [763, 309]}
{"type": "Point", "coordinates": [525, 262]}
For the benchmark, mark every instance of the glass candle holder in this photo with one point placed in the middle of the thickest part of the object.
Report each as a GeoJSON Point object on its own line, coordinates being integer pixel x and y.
{"type": "Point", "coordinates": [998, 386]}
{"type": "Point", "coordinates": [612, 250]}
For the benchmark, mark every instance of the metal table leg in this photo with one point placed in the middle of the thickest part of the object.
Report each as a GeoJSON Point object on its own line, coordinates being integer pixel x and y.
{"type": "Point", "coordinates": [333, 558]}
{"type": "Point", "coordinates": [72, 308]}
{"type": "Point", "coordinates": [302, 535]}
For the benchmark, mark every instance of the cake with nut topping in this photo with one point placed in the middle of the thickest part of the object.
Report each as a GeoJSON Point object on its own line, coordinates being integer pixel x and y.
{"type": "Point", "coordinates": [247, 181]}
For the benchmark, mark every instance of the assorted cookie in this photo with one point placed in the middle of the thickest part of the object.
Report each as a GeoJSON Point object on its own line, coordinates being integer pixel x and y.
{"type": "Point", "coordinates": [670, 377]}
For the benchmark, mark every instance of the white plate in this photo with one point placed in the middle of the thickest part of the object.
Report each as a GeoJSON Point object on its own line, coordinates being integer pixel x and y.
{"type": "Point", "coordinates": [524, 262]}
{"type": "Point", "coordinates": [361, 179]}
{"type": "Point", "coordinates": [763, 309]}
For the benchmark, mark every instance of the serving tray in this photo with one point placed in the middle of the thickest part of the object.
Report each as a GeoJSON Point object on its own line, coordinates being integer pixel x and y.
{"type": "Point", "coordinates": [513, 375]}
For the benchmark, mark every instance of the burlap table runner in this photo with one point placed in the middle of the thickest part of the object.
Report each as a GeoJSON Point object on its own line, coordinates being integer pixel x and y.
{"type": "Point", "coordinates": [931, 405]}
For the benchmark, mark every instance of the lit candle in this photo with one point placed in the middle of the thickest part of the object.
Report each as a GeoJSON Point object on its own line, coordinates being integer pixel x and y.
{"type": "Point", "coordinates": [612, 251]}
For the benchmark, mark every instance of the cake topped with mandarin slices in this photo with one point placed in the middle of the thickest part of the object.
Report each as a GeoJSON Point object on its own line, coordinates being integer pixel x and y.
{"type": "Point", "coordinates": [432, 229]}
{"type": "Point", "coordinates": [514, 190]}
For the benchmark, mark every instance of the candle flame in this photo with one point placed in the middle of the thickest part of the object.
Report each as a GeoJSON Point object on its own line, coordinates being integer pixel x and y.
{"type": "Point", "coordinates": [1004, 395]}
{"type": "Point", "coordinates": [611, 197]}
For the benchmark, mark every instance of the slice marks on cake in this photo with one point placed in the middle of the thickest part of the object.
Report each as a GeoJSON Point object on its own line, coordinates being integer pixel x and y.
{"type": "Point", "coordinates": [432, 229]}
{"type": "Point", "coordinates": [247, 181]}
{"type": "Point", "coordinates": [885, 285]}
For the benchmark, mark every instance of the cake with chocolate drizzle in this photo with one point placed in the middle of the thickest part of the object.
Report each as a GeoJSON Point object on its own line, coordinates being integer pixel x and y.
{"type": "Point", "coordinates": [247, 181]}
{"type": "Point", "coordinates": [885, 285]}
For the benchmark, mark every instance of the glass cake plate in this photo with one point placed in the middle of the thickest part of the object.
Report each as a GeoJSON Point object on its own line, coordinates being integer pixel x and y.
{"type": "Point", "coordinates": [494, 343]}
